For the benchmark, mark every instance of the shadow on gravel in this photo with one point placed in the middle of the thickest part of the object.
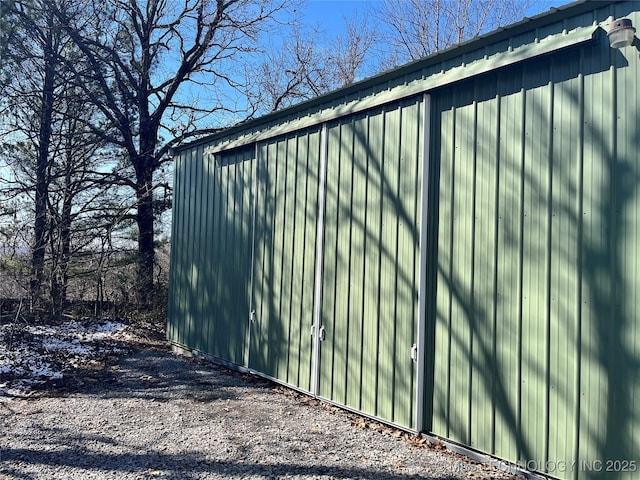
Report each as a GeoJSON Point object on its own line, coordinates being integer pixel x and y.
{"type": "Point", "coordinates": [155, 375]}
{"type": "Point", "coordinates": [185, 466]}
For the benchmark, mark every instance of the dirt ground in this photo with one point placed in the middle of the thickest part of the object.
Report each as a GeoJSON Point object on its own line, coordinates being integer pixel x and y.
{"type": "Point", "coordinates": [103, 399]}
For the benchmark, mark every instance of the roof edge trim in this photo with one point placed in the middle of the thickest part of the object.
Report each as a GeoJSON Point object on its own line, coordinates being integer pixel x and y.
{"type": "Point", "coordinates": [463, 72]}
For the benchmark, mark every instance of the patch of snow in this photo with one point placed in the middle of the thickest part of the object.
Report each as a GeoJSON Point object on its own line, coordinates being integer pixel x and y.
{"type": "Point", "coordinates": [5, 366]}
{"type": "Point", "coordinates": [71, 347]}
{"type": "Point", "coordinates": [68, 345]}
{"type": "Point", "coordinates": [44, 370]}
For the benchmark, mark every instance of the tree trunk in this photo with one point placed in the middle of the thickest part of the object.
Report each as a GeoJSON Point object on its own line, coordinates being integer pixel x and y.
{"type": "Point", "coordinates": [42, 160]}
{"type": "Point", "coordinates": [145, 222]}
{"type": "Point", "coordinates": [60, 278]}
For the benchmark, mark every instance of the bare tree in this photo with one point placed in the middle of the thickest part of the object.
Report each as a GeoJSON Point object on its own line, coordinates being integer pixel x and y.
{"type": "Point", "coordinates": [303, 63]}
{"type": "Point", "coordinates": [349, 53]}
{"type": "Point", "coordinates": [417, 28]}
{"type": "Point", "coordinates": [140, 54]}
{"type": "Point", "coordinates": [292, 69]}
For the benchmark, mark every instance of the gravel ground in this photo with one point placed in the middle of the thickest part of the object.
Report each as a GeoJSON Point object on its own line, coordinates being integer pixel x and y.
{"type": "Point", "coordinates": [150, 414]}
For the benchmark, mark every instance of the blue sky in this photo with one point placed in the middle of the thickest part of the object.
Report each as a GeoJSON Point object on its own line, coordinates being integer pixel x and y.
{"type": "Point", "coordinates": [329, 13]}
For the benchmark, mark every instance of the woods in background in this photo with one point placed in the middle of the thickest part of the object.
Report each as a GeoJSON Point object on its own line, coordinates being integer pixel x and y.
{"type": "Point", "coordinates": [93, 96]}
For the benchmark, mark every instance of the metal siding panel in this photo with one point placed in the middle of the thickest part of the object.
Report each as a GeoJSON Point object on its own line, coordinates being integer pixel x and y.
{"type": "Point", "coordinates": [199, 252]}
{"type": "Point", "coordinates": [442, 384]}
{"type": "Point", "coordinates": [261, 274]}
{"type": "Point", "coordinates": [191, 317]}
{"type": "Point", "coordinates": [561, 372]}
{"type": "Point", "coordinates": [461, 275]}
{"type": "Point", "coordinates": [343, 153]}
{"type": "Point", "coordinates": [508, 336]}
{"type": "Point", "coordinates": [356, 222]}
{"type": "Point", "coordinates": [223, 292]}
{"type": "Point", "coordinates": [241, 241]}
{"type": "Point", "coordinates": [334, 296]}
{"type": "Point", "coordinates": [262, 358]}
{"type": "Point", "coordinates": [202, 253]}
{"type": "Point", "coordinates": [178, 262]}
{"type": "Point", "coordinates": [562, 256]}
{"type": "Point", "coordinates": [307, 217]}
{"type": "Point", "coordinates": [231, 273]}
{"type": "Point", "coordinates": [390, 365]}
{"type": "Point", "coordinates": [217, 257]}
{"type": "Point", "coordinates": [289, 272]}
{"type": "Point", "coordinates": [407, 263]}
{"type": "Point", "coordinates": [278, 336]}
{"type": "Point", "coordinates": [598, 155]}
{"type": "Point", "coordinates": [206, 296]}
{"type": "Point", "coordinates": [485, 244]}
{"type": "Point", "coordinates": [370, 290]}
{"type": "Point", "coordinates": [284, 272]}
{"type": "Point", "coordinates": [301, 243]}
{"type": "Point", "coordinates": [371, 276]}
{"type": "Point", "coordinates": [609, 380]}
{"type": "Point", "coordinates": [627, 377]}
{"type": "Point", "coordinates": [478, 331]}
{"type": "Point", "coordinates": [222, 254]}
{"type": "Point", "coordinates": [536, 255]}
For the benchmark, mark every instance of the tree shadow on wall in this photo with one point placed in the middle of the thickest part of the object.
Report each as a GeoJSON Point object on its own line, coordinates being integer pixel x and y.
{"type": "Point", "coordinates": [548, 325]}
{"type": "Point", "coordinates": [211, 254]}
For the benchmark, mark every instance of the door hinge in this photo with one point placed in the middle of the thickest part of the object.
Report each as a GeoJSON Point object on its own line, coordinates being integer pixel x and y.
{"type": "Point", "coordinates": [252, 316]}
{"type": "Point", "coordinates": [414, 352]}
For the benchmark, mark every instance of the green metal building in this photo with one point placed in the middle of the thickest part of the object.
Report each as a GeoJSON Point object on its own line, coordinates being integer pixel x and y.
{"type": "Point", "coordinates": [452, 247]}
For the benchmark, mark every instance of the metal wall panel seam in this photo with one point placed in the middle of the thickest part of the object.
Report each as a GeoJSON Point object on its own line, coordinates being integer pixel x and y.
{"type": "Point", "coordinates": [417, 87]}
{"type": "Point", "coordinates": [454, 133]}
{"type": "Point", "coordinates": [190, 232]}
{"type": "Point", "coordinates": [519, 444]}
{"type": "Point", "coordinates": [472, 286]}
{"type": "Point", "coordinates": [579, 207]}
{"type": "Point", "coordinates": [198, 236]}
{"type": "Point", "coordinates": [422, 258]}
{"type": "Point", "coordinates": [496, 253]}
{"type": "Point", "coordinates": [549, 266]}
{"type": "Point", "coordinates": [317, 314]}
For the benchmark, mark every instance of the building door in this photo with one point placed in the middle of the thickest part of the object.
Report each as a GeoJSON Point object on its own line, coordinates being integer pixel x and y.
{"type": "Point", "coordinates": [338, 261]}
{"type": "Point", "coordinates": [371, 263]}
{"type": "Point", "coordinates": [284, 258]}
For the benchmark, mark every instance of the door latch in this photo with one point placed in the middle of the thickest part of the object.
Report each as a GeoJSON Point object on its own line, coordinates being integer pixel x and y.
{"type": "Point", "coordinates": [414, 352]}
{"type": "Point", "coordinates": [252, 316]}
{"type": "Point", "coordinates": [322, 333]}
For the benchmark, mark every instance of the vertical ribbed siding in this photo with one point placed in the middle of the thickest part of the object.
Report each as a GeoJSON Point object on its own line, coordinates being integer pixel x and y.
{"type": "Point", "coordinates": [284, 267]}
{"type": "Point", "coordinates": [369, 302]}
{"type": "Point", "coordinates": [211, 253]}
{"type": "Point", "coordinates": [228, 243]}
{"type": "Point", "coordinates": [538, 241]}
{"type": "Point", "coordinates": [183, 312]}
{"type": "Point", "coordinates": [609, 421]}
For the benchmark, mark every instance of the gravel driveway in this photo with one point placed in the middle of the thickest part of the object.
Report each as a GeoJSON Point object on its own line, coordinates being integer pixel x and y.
{"type": "Point", "coordinates": [151, 414]}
